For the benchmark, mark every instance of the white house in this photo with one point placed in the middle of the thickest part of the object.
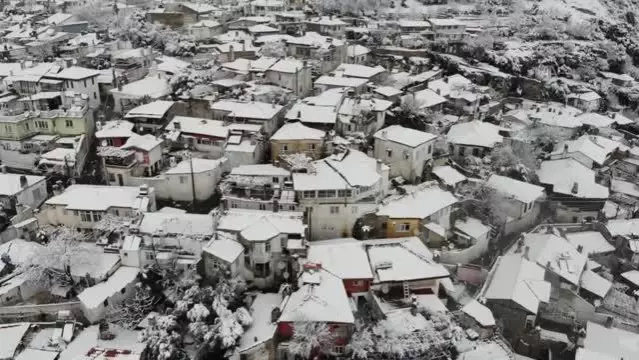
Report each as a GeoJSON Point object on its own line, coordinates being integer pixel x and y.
{"type": "Point", "coordinates": [519, 197]}
{"type": "Point", "coordinates": [292, 74]}
{"type": "Point", "coordinates": [474, 138]}
{"type": "Point", "coordinates": [341, 189]}
{"type": "Point", "coordinates": [199, 176]}
{"type": "Point", "coordinates": [357, 54]}
{"type": "Point", "coordinates": [96, 299]}
{"type": "Point", "coordinates": [205, 30]}
{"type": "Point", "coordinates": [588, 101]}
{"type": "Point", "coordinates": [148, 152]}
{"type": "Point", "coordinates": [204, 135]}
{"type": "Point", "coordinates": [81, 80]}
{"type": "Point", "coordinates": [22, 190]}
{"type": "Point", "coordinates": [224, 255]}
{"type": "Point", "coordinates": [81, 206]}
{"type": "Point", "coordinates": [405, 151]}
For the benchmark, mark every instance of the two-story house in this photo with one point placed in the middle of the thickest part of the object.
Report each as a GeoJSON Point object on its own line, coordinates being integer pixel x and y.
{"type": "Point", "coordinates": [410, 213]}
{"type": "Point", "coordinates": [296, 138]}
{"type": "Point", "coordinates": [204, 135]}
{"type": "Point", "coordinates": [267, 115]}
{"type": "Point", "coordinates": [82, 206]}
{"type": "Point", "coordinates": [361, 114]}
{"type": "Point", "coordinates": [329, 52]}
{"type": "Point", "coordinates": [291, 74]}
{"type": "Point", "coordinates": [259, 187]}
{"type": "Point", "coordinates": [151, 117]}
{"type": "Point", "coordinates": [80, 80]}
{"type": "Point", "coordinates": [518, 199]}
{"type": "Point", "coordinates": [339, 189]}
{"type": "Point", "coordinates": [148, 152]}
{"type": "Point", "coordinates": [114, 133]}
{"type": "Point", "coordinates": [21, 191]}
{"type": "Point", "coordinates": [405, 151]}
{"type": "Point", "coordinates": [327, 25]}
{"type": "Point", "coordinates": [474, 138]}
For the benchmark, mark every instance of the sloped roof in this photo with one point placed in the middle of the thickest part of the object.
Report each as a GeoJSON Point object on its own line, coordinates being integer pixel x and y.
{"type": "Point", "coordinates": [405, 136]}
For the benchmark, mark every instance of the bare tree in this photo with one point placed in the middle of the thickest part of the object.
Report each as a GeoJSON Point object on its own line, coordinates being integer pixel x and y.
{"type": "Point", "coordinates": [56, 259]}
{"type": "Point", "coordinates": [132, 311]}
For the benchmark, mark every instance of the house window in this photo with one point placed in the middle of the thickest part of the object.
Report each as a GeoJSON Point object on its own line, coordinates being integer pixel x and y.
{"type": "Point", "coordinates": [36, 193]}
{"type": "Point", "coordinates": [262, 206]}
{"type": "Point", "coordinates": [116, 212]}
{"type": "Point", "coordinates": [334, 209]}
{"type": "Point", "coordinates": [403, 227]}
{"type": "Point", "coordinates": [149, 255]}
{"type": "Point", "coordinates": [105, 302]}
{"type": "Point", "coordinates": [389, 152]}
{"type": "Point", "coordinates": [308, 194]}
{"type": "Point", "coordinates": [284, 147]}
{"type": "Point", "coordinates": [68, 123]}
{"type": "Point", "coordinates": [85, 216]}
{"type": "Point", "coordinates": [95, 95]}
{"type": "Point", "coordinates": [111, 177]}
{"type": "Point", "coordinates": [276, 179]}
{"type": "Point", "coordinates": [430, 149]}
{"type": "Point", "coordinates": [311, 147]}
{"type": "Point", "coordinates": [123, 290]}
{"type": "Point", "coordinates": [267, 247]}
{"type": "Point", "coordinates": [233, 206]}
{"type": "Point", "coordinates": [26, 126]}
{"type": "Point", "coordinates": [462, 150]}
{"type": "Point", "coordinates": [85, 82]}
{"type": "Point", "coordinates": [338, 349]}
{"type": "Point", "coordinates": [262, 270]}
{"type": "Point", "coordinates": [344, 193]}
{"type": "Point", "coordinates": [182, 179]}
{"type": "Point", "coordinates": [475, 152]}
{"type": "Point", "coordinates": [325, 193]}
{"type": "Point", "coordinates": [97, 217]}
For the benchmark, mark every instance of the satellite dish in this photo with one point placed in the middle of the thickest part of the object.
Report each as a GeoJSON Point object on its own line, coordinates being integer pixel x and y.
{"type": "Point", "coordinates": [104, 142]}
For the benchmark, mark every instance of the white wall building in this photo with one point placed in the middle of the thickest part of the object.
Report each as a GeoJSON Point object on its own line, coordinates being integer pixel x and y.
{"type": "Point", "coordinates": [81, 80]}
{"type": "Point", "coordinates": [111, 292]}
{"type": "Point", "coordinates": [405, 151]}
{"type": "Point", "coordinates": [22, 190]}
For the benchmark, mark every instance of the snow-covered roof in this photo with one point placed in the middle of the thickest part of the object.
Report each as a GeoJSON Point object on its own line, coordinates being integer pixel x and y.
{"type": "Point", "coordinates": [230, 42]}
{"type": "Point", "coordinates": [170, 64]}
{"type": "Point", "coordinates": [387, 91]}
{"type": "Point", "coordinates": [563, 174]}
{"type": "Point", "coordinates": [36, 354]}
{"type": "Point", "coordinates": [344, 259]}
{"type": "Point", "coordinates": [475, 133]}
{"type": "Point", "coordinates": [611, 341]}
{"type": "Point", "coordinates": [260, 170]}
{"type": "Point", "coordinates": [224, 249]}
{"type": "Point", "coordinates": [445, 22]}
{"type": "Point", "coordinates": [517, 279]}
{"type": "Point", "coordinates": [328, 20]}
{"type": "Point", "coordinates": [18, 251]}
{"type": "Point", "coordinates": [520, 190]}
{"type": "Point", "coordinates": [341, 81]}
{"type": "Point", "coordinates": [587, 96]}
{"type": "Point", "coordinates": [297, 131]}
{"type": "Point", "coordinates": [11, 335]}
{"type": "Point", "coordinates": [472, 227]}
{"type": "Point", "coordinates": [315, 40]}
{"type": "Point", "coordinates": [131, 243]}
{"type": "Point", "coordinates": [206, 23]}
{"type": "Point", "coordinates": [446, 85]}
{"type": "Point", "coordinates": [196, 225]}
{"type": "Point", "coordinates": [94, 296]}
{"type": "Point", "coordinates": [595, 284]}
{"type": "Point", "coordinates": [57, 18]}
{"type": "Point", "coordinates": [487, 350]}
{"type": "Point", "coordinates": [89, 339]}
{"type": "Point", "coordinates": [115, 129]}
{"type": "Point", "coordinates": [10, 183]}
{"type": "Point", "coordinates": [248, 110]}
{"type": "Point", "coordinates": [424, 99]}
{"type": "Point", "coordinates": [153, 110]}
{"type": "Point", "coordinates": [624, 187]}
{"type": "Point", "coordinates": [312, 114]}
{"type": "Point", "coordinates": [143, 142]}
{"type": "Point", "coordinates": [250, 223]}
{"type": "Point", "coordinates": [555, 254]}
{"type": "Point", "coordinates": [564, 117]}
{"type": "Point", "coordinates": [593, 242]}
{"type": "Point", "coordinates": [595, 120]}
{"type": "Point", "coordinates": [586, 354]}
{"type": "Point", "coordinates": [199, 126]}
{"type": "Point", "coordinates": [150, 86]}
{"type": "Point", "coordinates": [338, 173]}
{"type": "Point", "coordinates": [413, 23]}
{"type": "Point", "coordinates": [200, 8]}
{"type": "Point", "coordinates": [479, 312]}
{"type": "Point", "coordinates": [261, 329]}
{"type": "Point", "coordinates": [623, 227]}
{"type": "Point", "coordinates": [632, 276]}
{"type": "Point", "coordinates": [288, 65]}
{"type": "Point", "coordinates": [359, 71]}
{"type": "Point", "coordinates": [322, 300]}
{"type": "Point", "coordinates": [409, 260]}
{"type": "Point", "coordinates": [75, 73]}
{"type": "Point", "coordinates": [195, 165]}
{"type": "Point", "coordinates": [357, 50]}
{"type": "Point", "coordinates": [97, 197]}
{"type": "Point", "coordinates": [245, 65]}
{"type": "Point", "coordinates": [404, 136]}
{"type": "Point", "coordinates": [418, 204]}
{"type": "Point", "coordinates": [261, 28]}
{"type": "Point", "coordinates": [596, 148]}
{"type": "Point", "coordinates": [449, 175]}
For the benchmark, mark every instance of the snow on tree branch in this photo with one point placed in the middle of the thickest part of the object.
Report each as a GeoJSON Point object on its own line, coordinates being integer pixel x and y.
{"type": "Point", "coordinates": [132, 311]}
{"type": "Point", "coordinates": [309, 337]}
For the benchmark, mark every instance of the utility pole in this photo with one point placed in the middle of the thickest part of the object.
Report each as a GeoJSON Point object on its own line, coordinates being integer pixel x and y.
{"type": "Point", "coordinates": [190, 156]}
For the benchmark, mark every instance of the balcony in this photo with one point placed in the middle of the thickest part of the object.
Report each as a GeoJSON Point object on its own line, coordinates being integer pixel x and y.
{"type": "Point", "coordinates": [117, 158]}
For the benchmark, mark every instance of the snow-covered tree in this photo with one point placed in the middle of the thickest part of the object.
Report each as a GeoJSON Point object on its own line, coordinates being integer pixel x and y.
{"type": "Point", "coordinates": [110, 223]}
{"type": "Point", "coordinates": [274, 49]}
{"type": "Point", "coordinates": [163, 339]}
{"type": "Point", "coordinates": [97, 13]}
{"type": "Point", "coordinates": [198, 312]}
{"type": "Point", "coordinates": [309, 337]}
{"type": "Point", "coordinates": [133, 310]}
{"type": "Point", "coordinates": [361, 343]}
{"type": "Point", "coordinates": [65, 250]}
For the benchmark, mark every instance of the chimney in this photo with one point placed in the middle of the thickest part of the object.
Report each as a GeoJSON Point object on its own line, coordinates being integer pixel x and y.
{"type": "Point", "coordinates": [378, 167]}
{"type": "Point", "coordinates": [23, 182]}
{"type": "Point", "coordinates": [177, 125]}
{"type": "Point", "coordinates": [565, 149]}
{"type": "Point", "coordinates": [609, 322]}
{"type": "Point", "coordinates": [575, 188]}
{"type": "Point", "coordinates": [243, 42]}
{"type": "Point", "coordinates": [580, 249]}
{"type": "Point", "coordinates": [299, 114]}
{"type": "Point", "coordinates": [56, 189]}
{"type": "Point", "coordinates": [527, 253]}
{"type": "Point", "coordinates": [446, 79]}
{"type": "Point", "coordinates": [384, 134]}
{"type": "Point", "coordinates": [275, 314]}
{"type": "Point", "coordinates": [273, 104]}
{"type": "Point", "coordinates": [438, 91]}
{"type": "Point", "coordinates": [143, 190]}
{"type": "Point", "coordinates": [22, 65]}
{"type": "Point", "coordinates": [231, 53]}
{"type": "Point", "coordinates": [3, 168]}
{"type": "Point", "coordinates": [520, 246]}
